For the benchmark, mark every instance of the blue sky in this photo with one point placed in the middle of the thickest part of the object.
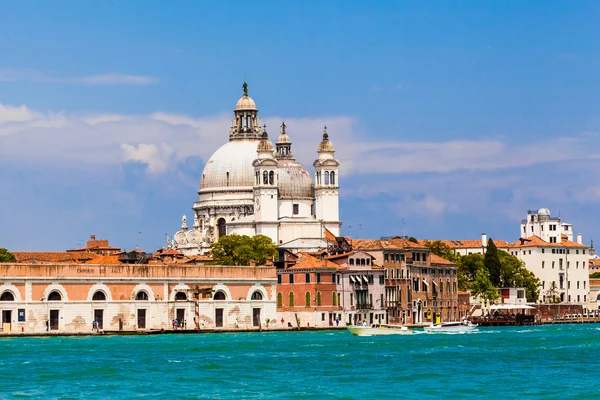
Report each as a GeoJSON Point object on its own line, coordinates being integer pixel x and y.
{"type": "Point", "coordinates": [453, 118]}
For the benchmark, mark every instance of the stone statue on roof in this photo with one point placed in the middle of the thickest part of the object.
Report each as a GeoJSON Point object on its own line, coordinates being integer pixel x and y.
{"type": "Point", "coordinates": [245, 86]}
{"type": "Point", "coordinates": [184, 222]}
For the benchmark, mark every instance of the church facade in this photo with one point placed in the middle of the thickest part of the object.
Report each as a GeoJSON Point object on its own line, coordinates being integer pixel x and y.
{"type": "Point", "coordinates": [250, 186]}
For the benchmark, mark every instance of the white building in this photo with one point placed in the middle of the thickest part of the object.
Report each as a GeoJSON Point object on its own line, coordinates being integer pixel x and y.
{"type": "Point", "coordinates": [562, 268]}
{"type": "Point", "coordinates": [251, 187]}
{"type": "Point", "coordinates": [549, 229]}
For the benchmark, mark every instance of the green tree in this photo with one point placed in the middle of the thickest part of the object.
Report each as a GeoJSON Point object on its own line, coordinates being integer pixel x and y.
{"type": "Point", "coordinates": [240, 249]}
{"type": "Point", "coordinates": [412, 239]}
{"type": "Point", "coordinates": [513, 273]}
{"type": "Point", "coordinates": [492, 263]}
{"type": "Point", "coordinates": [6, 256]}
{"type": "Point", "coordinates": [483, 286]}
{"type": "Point", "coordinates": [469, 265]}
{"type": "Point", "coordinates": [595, 275]}
{"type": "Point", "coordinates": [443, 250]}
{"type": "Point", "coordinates": [552, 295]}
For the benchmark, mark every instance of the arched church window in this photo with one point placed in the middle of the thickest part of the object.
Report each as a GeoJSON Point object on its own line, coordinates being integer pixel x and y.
{"type": "Point", "coordinates": [327, 177]}
{"type": "Point", "coordinates": [291, 300]}
{"type": "Point", "coordinates": [257, 177]}
{"type": "Point", "coordinates": [257, 296]}
{"type": "Point", "coordinates": [307, 299]}
{"type": "Point", "coordinates": [54, 296]}
{"type": "Point", "coordinates": [318, 178]}
{"type": "Point", "coordinates": [141, 295]}
{"type": "Point", "coordinates": [219, 296]}
{"type": "Point", "coordinates": [271, 177]}
{"type": "Point", "coordinates": [332, 178]}
{"type": "Point", "coordinates": [7, 296]}
{"type": "Point", "coordinates": [265, 177]}
{"type": "Point", "coordinates": [221, 226]}
{"type": "Point", "coordinates": [228, 179]}
{"type": "Point", "coordinates": [279, 299]}
{"type": "Point", "coordinates": [99, 296]}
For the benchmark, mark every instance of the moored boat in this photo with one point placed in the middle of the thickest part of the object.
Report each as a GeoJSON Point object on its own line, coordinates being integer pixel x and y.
{"type": "Point", "coordinates": [379, 330]}
{"type": "Point", "coordinates": [451, 327]}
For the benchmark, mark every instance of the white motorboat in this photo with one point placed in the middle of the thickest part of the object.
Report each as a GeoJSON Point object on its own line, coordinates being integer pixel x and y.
{"type": "Point", "coordinates": [379, 330]}
{"type": "Point", "coordinates": [451, 327]}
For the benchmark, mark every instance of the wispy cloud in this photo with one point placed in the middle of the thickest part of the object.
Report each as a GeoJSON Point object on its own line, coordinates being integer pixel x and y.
{"type": "Point", "coordinates": [14, 75]}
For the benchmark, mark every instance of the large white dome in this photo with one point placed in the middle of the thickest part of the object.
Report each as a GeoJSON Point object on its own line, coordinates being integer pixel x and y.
{"type": "Point", "coordinates": [294, 181]}
{"type": "Point", "coordinates": [230, 166]}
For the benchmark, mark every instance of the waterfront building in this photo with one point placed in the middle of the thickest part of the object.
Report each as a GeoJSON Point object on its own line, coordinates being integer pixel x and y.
{"type": "Point", "coordinates": [70, 296]}
{"type": "Point", "coordinates": [419, 286]}
{"type": "Point", "coordinates": [550, 229]}
{"type": "Point", "coordinates": [561, 266]}
{"type": "Point", "coordinates": [466, 247]}
{"type": "Point", "coordinates": [248, 187]}
{"type": "Point", "coordinates": [320, 290]}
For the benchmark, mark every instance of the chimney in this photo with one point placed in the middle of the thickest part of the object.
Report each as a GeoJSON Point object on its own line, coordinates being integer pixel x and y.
{"type": "Point", "coordinates": [92, 237]}
{"type": "Point", "coordinates": [484, 240]}
{"type": "Point", "coordinates": [579, 238]}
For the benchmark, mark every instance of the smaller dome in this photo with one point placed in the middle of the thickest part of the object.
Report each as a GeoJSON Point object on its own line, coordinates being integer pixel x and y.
{"type": "Point", "coordinates": [294, 181]}
{"type": "Point", "coordinates": [544, 211]}
{"type": "Point", "coordinates": [265, 144]}
{"type": "Point", "coordinates": [325, 144]}
{"type": "Point", "coordinates": [245, 103]}
{"type": "Point", "coordinates": [283, 136]}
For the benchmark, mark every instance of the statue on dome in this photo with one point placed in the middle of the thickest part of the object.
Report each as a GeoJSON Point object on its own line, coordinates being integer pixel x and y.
{"type": "Point", "coordinates": [184, 222]}
{"type": "Point", "coordinates": [245, 86]}
{"type": "Point", "coordinates": [196, 222]}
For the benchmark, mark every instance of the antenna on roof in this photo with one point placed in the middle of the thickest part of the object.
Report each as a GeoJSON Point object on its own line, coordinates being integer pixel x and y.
{"type": "Point", "coordinates": [139, 245]}
{"type": "Point", "coordinates": [403, 230]}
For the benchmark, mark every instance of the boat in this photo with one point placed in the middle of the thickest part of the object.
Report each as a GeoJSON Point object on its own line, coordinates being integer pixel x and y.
{"type": "Point", "coordinates": [451, 327]}
{"type": "Point", "coordinates": [379, 330]}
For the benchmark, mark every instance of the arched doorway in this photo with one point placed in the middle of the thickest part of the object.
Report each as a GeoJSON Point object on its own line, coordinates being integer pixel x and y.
{"type": "Point", "coordinates": [221, 227]}
{"type": "Point", "coordinates": [7, 314]}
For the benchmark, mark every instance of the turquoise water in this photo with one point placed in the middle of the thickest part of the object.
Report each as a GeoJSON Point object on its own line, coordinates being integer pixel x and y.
{"type": "Point", "coordinates": [529, 362]}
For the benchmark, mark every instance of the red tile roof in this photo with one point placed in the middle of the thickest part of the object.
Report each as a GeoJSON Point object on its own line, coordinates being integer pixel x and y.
{"type": "Point", "coordinates": [52, 256]}
{"type": "Point", "coordinates": [383, 244]}
{"type": "Point", "coordinates": [536, 241]}
{"type": "Point", "coordinates": [307, 261]}
{"type": "Point", "coordinates": [434, 259]}
{"type": "Point", "coordinates": [466, 244]}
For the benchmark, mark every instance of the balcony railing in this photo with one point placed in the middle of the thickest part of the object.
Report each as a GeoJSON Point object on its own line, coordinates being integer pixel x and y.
{"type": "Point", "coordinates": [364, 306]}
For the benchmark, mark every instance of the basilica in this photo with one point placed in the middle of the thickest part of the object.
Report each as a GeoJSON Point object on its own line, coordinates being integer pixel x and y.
{"type": "Point", "coordinates": [250, 187]}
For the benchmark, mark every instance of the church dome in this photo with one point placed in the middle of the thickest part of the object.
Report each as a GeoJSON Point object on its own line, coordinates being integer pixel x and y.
{"type": "Point", "coordinates": [245, 103]}
{"type": "Point", "coordinates": [230, 166]}
{"type": "Point", "coordinates": [325, 145]}
{"type": "Point", "coordinates": [294, 180]}
{"type": "Point", "coordinates": [544, 212]}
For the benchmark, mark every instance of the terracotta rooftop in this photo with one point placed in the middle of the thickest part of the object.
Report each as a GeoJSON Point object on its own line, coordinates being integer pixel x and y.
{"type": "Point", "coordinates": [536, 241]}
{"type": "Point", "coordinates": [112, 259]}
{"type": "Point", "coordinates": [384, 244]}
{"type": "Point", "coordinates": [434, 259]}
{"type": "Point", "coordinates": [466, 244]}
{"type": "Point", "coordinates": [307, 261]}
{"type": "Point", "coordinates": [51, 256]}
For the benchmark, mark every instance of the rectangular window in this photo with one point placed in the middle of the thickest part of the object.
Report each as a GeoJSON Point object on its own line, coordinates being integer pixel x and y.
{"type": "Point", "coordinates": [351, 299]}
{"type": "Point", "coordinates": [279, 279]}
{"type": "Point", "coordinates": [577, 284]}
{"type": "Point", "coordinates": [371, 299]}
{"type": "Point", "coordinates": [392, 273]}
{"type": "Point", "coordinates": [352, 261]}
{"type": "Point", "coordinates": [544, 285]}
{"type": "Point", "coordinates": [291, 278]}
{"type": "Point", "coordinates": [338, 279]}
{"type": "Point", "coordinates": [543, 264]}
{"type": "Point", "coordinates": [370, 279]}
{"type": "Point", "coordinates": [381, 301]}
{"type": "Point", "coordinates": [307, 278]}
{"type": "Point", "coordinates": [584, 284]}
{"type": "Point", "coordinates": [543, 251]}
{"type": "Point", "coordinates": [424, 257]}
{"type": "Point", "coordinates": [381, 280]}
{"type": "Point", "coordinates": [318, 277]}
{"type": "Point", "coordinates": [385, 257]}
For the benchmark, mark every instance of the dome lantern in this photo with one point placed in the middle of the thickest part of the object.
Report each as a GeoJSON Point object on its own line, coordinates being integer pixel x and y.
{"type": "Point", "coordinates": [245, 124]}
{"type": "Point", "coordinates": [284, 144]}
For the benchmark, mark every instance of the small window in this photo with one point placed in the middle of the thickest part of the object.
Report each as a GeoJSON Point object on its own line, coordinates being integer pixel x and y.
{"type": "Point", "coordinates": [265, 177]}
{"type": "Point", "coordinates": [99, 296]}
{"type": "Point", "coordinates": [54, 296]}
{"type": "Point", "coordinates": [292, 304]}
{"type": "Point", "coordinates": [291, 278]}
{"type": "Point", "coordinates": [228, 179]}
{"type": "Point", "coordinates": [180, 296]}
{"type": "Point", "coordinates": [307, 299]}
{"type": "Point", "coordinates": [352, 261]}
{"type": "Point", "coordinates": [141, 295]}
{"type": "Point", "coordinates": [7, 296]}
{"type": "Point", "coordinates": [279, 299]}
{"type": "Point", "coordinates": [318, 277]}
{"type": "Point", "coordinates": [271, 177]}
{"type": "Point", "coordinates": [307, 277]}
{"type": "Point", "coordinates": [219, 296]}
{"type": "Point", "coordinates": [295, 209]}
{"type": "Point", "coordinates": [332, 178]}
{"type": "Point", "coordinates": [327, 177]}
{"type": "Point", "coordinates": [279, 279]}
{"type": "Point", "coordinates": [256, 296]}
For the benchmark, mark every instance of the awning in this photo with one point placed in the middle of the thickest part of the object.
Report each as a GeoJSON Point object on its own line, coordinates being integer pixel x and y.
{"type": "Point", "coordinates": [365, 279]}
{"type": "Point", "coordinates": [510, 306]}
{"type": "Point", "coordinates": [352, 278]}
{"type": "Point", "coordinates": [425, 282]}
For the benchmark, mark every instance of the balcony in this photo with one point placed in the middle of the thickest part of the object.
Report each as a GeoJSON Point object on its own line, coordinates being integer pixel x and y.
{"type": "Point", "coordinates": [364, 306]}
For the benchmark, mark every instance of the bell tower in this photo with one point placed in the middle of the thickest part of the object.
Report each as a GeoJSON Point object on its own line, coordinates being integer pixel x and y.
{"type": "Point", "coordinates": [327, 186]}
{"type": "Point", "coordinates": [266, 209]}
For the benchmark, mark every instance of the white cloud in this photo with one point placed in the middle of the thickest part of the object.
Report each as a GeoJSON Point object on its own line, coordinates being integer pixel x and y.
{"type": "Point", "coordinates": [155, 157]}
{"type": "Point", "coordinates": [13, 75]}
